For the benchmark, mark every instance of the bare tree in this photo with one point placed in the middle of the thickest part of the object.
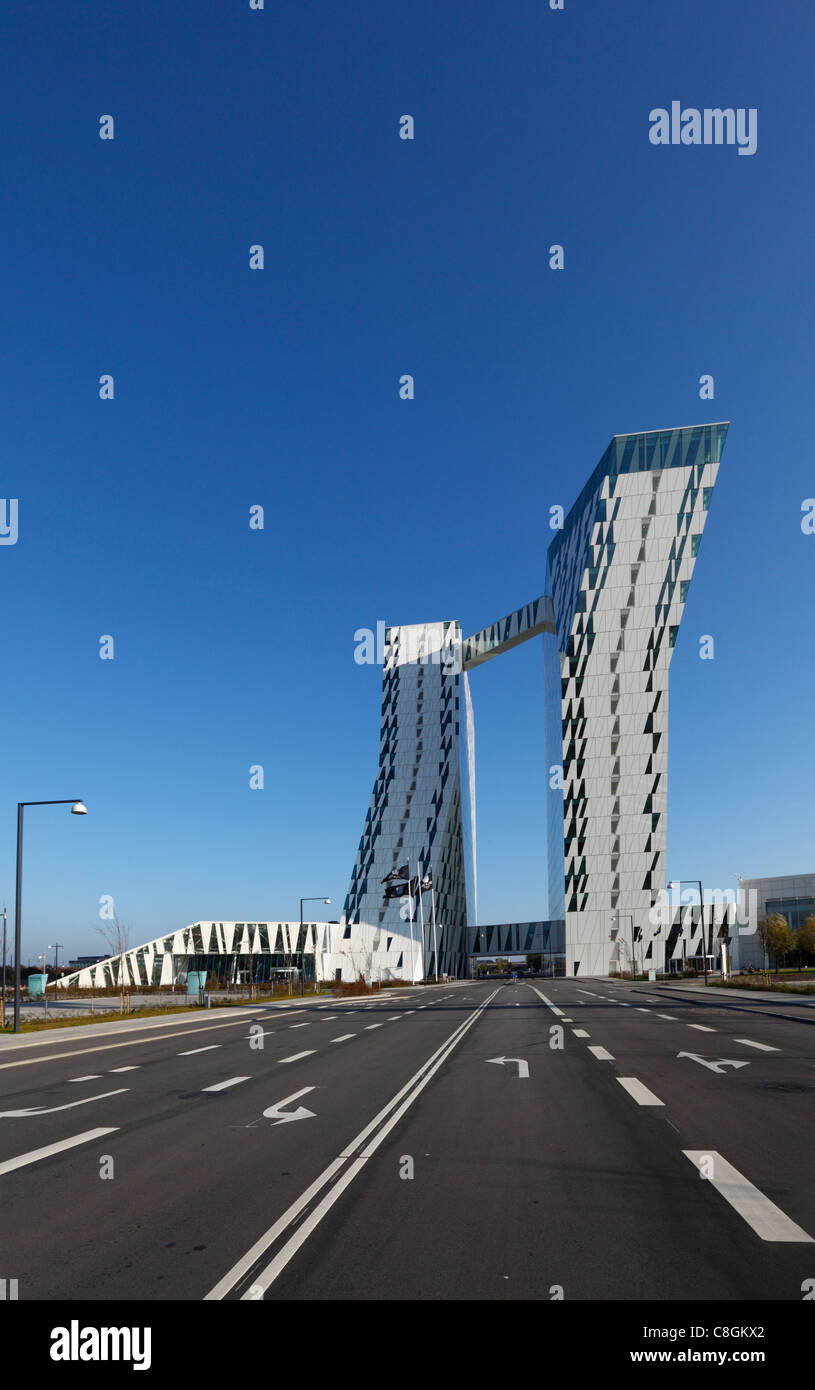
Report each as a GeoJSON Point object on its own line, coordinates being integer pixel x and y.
{"type": "Point", "coordinates": [115, 937]}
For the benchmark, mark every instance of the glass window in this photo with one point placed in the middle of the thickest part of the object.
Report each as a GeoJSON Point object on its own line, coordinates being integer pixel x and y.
{"type": "Point", "coordinates": [694, 544]}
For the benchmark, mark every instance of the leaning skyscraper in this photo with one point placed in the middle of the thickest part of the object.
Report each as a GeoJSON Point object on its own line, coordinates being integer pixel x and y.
{"type": "Point", "coordinates": [619, 574]}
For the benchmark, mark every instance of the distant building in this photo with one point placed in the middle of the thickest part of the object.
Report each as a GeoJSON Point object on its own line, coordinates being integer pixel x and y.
{"type": "Point", "coordinates": [790, 895]}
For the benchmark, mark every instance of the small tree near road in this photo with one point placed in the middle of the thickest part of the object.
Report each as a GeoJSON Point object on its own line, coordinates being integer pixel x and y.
{"type": "Point", "coordinates": [115, 937]}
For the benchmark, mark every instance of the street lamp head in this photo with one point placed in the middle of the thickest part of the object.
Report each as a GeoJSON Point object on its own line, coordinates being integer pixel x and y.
{"type": "Point", "coordinates": [327, 901]}
{"type": "Point", "coordinates": [78, 809]}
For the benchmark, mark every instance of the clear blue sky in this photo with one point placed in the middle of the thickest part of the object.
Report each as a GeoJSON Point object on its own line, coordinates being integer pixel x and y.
{"type": "Point", "coordinates": [235, 647]}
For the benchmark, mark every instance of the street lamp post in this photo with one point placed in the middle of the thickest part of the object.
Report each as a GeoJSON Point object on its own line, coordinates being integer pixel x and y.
{"type": "Point", "coordinates": [77, 809]}
{"type": "Point", "coordinates": [3, 994]}
{"type": "Point", "coordinates": [303, 950]}
{"type": "Point", "coordinates": [698, 882]}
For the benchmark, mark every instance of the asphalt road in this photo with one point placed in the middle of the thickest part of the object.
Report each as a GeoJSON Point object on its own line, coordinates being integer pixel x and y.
{"type": "Point", "coordinates": [650, 1168]}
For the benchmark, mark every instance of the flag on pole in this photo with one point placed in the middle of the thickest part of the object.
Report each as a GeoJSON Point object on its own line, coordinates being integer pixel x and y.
{"type": "Point", "coordinates": [396, 874]}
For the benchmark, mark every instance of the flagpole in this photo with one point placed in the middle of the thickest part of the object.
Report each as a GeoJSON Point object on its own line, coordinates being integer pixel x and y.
{"type": "Point", "coordinates": [435, 941]}
{"type": "Point", "coordinates": [421, 913]}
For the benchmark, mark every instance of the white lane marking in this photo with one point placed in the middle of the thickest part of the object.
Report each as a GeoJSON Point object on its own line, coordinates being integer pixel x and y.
{"type": "Point", "coordinates": [670, 1017]}
{"type": "Point", "coordinates": [590, 993]}
{"type": "Point", "coordinates": [542, 996]}
{"type": "Point", "coordinates": [44, 1110]}
{"type": "Point", "coordinates": [559, 1012]}
{"type": "Point", "coordinates": [264, 1033]}
{"type": "Point", "coordinates": [640, 1093]}
{"type": "Point", "coordinates": [640, 1010]}
{"type": "Point", "coordinates": [275, 1112]}
{"type": "Point", "coordinates": [764, 1047]}
{"type": "Point", "coordinates": [329, 1018]}
{"type": "Point", "coordinates": [299, 1025]}
{"type": "Point", "coordinates": [393, 1018]}
{"type": "Point", "coordinates": [403, 1099]}
{"type": "Point", "coordinates": [712, 1064]}
{"type": "Point", "coordinates": [702, 1028]}
{"type": "Point", "coordinates": [581, 1033]}
{"type": "Point", "coordinates": [410, 1011]}
{"type": "Point", "coordinates": [224, 1085]}
{"type": "Point", "coordinates": [194, 1052]}
{"type": "Point", "coordinates": [601, 1054]}
{"type": "Point", "coordinates": [344, 1037]}
{"type": "Point", "coordinates": [369, 1026]}
{"type": "Point", "coordinates": [95, 1077]}
{"type": "Point", "coordinates": [766, 1219]}
{"type": "Point", "coordinates": [34, 1155]}
{"type": "Point", "coordinates": [623, 1004]}
{"type": "Point", "coordinates": [131, 1042]}
{"type": "Point", "coordinates": [118, 1069]}
{"type": "Point", "coordinates": [297, 1055]}
{"type": "Point", "coordinates": [523, 1067]}
{"type": "Point", "coordinates": [567, 1020]}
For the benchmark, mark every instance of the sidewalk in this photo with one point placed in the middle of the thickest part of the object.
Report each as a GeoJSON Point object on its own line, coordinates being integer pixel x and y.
{"type": "Point", "coordinates": [764, 995]}
{"type": "Point", "coordinates": [191, 1015]}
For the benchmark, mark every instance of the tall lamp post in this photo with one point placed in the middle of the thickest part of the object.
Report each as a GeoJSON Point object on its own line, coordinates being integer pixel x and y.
{"type": "Point", "coordinates": [698, 882]}
{"type": "Point", "coordinates": [77, 809]}
{"type": "Point", "coordinates": [303, 950]}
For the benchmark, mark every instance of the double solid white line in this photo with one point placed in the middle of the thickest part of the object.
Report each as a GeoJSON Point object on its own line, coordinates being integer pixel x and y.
{"type": "Point", "coordinates": [340, 1173]}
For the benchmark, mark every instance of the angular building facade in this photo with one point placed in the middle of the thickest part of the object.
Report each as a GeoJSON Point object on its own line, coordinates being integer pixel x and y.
{"type": "Point", "coordinates": [619, 570]}
{"type": "Point", "coordinates": [421, 817]}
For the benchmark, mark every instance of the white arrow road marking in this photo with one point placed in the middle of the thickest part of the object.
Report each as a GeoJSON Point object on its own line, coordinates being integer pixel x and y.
{"type": "Point", "coordinates": [767, 1220]}
{"type": "Point", "coordinates": [275, 1112]}
{"type": "Point", "coordinates": [523, 1067]}
{"type": "Point", "coordinates": [35, 1155]}
{"type": "Point", "coordinates": [710, 1063]}
{"type": "Point", "coordinates": [45, 1110]}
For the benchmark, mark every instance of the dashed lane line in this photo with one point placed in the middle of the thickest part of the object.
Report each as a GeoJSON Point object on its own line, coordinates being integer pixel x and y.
{"type": "Point", "coordinates": [35, 1155]}
{"type": "Point", "coordinates": [767, 1220]}
{"type": "Point", "coordinates": [601, 1054]}
{"type": "Point", "coordinates": [225, 1085]}
{"type": "Point", "coordinates": [344, 1037]}
{"type": "Point", "coordinates": [640, 1093]}
{"type": "Point", "coordinates": [296, 1056]}
{"type": "Point", "coordinates": [763, 1047]}
{"type": "Point", "coordinates": [195, 1050]}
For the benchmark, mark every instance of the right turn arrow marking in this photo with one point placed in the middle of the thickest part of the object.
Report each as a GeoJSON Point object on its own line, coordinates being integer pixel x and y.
{"type": "Point", "coordinates": [275, 1112]}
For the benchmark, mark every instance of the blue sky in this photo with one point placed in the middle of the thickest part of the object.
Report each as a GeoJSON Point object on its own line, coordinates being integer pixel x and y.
{"type": "Point", "coordinates": [235, 647]}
